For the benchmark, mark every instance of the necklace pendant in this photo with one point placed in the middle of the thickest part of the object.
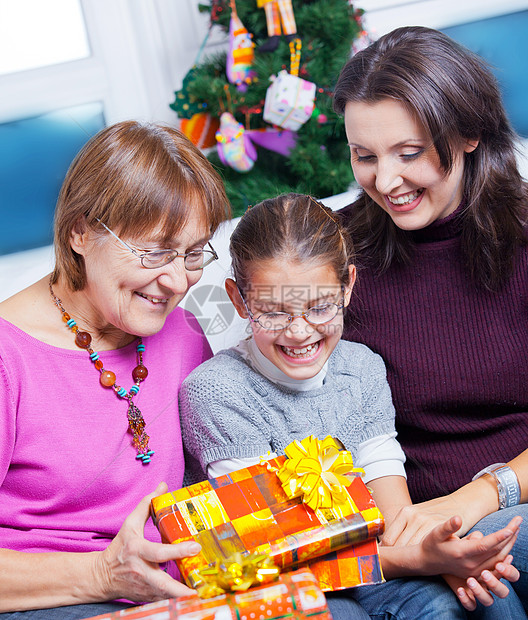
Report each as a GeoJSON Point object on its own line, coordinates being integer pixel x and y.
{"type": "Point", "coordinates": [140, 439]}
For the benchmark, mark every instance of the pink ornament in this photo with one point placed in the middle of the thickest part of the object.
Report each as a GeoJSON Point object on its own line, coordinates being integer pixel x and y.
{"type": "Point", "coordinates": [240, 55]}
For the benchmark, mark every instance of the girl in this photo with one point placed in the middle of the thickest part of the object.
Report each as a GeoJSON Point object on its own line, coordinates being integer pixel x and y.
{"type": "Point", "coordinates": [443, 218]}
{"type": "Point", "coordinates": [293, 376]}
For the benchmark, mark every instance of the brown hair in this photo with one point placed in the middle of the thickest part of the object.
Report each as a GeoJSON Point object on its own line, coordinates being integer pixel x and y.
{"type": "Point", "coordinates": [134, 177]}
{"type": "Point", "coordinates": [453, 94]}
{"type": "Point", "coordinates": [294, 227]}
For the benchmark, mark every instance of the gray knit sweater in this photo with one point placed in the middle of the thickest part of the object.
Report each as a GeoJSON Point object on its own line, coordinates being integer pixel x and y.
{"type": "Point", "coordinates": [228, 410]}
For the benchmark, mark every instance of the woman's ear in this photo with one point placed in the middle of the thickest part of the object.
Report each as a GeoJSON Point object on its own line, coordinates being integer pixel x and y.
{"type": "Point", "coordinates": [470, 145]}
{"type": "Point", "coordinates": [352, 280]}
{"type": "Point", "coordinates": [235, 297]}
{"type": "Point", "coordinates": [78, 236]}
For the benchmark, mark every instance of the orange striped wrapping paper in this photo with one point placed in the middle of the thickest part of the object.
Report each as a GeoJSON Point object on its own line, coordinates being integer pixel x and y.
{"type": "Point", "coordinates": [294, 596]}
{"type": "Point", "coordinates": [248, 511]}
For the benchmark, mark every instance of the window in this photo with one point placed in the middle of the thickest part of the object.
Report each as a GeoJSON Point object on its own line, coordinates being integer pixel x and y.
{"type": "Point", "coordinates": [37, 34]}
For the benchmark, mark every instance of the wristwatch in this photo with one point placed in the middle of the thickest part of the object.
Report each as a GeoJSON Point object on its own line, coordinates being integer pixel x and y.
{"type": "Point", "coordinates": [507, 484]}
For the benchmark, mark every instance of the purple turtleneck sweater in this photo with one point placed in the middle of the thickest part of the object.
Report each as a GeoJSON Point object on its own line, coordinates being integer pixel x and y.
{"type": "Point", "coordinates": [456, 356]}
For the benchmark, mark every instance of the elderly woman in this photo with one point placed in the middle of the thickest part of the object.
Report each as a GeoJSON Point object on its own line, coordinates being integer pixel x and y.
{"type": "Point", "coordinates": [91, 361]}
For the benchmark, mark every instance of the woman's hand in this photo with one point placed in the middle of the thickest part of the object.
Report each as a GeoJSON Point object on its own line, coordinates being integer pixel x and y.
{"type": "Point", "coordinates": [129, 566]}
{"type": "Point", "coordinates": [471, 590]}
{"type": "Point", "coordinates": [472, 502]}
{"type": "Point", "coordinates": [441, 551]}
{"type": "Point", "coordinates": [414, 522]}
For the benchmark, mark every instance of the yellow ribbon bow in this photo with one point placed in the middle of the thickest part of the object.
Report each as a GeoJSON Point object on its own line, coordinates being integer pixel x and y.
{"type": "Point", "coordinates": [316, 469]}
{"type": "Point", "coordinates": [236, 573]}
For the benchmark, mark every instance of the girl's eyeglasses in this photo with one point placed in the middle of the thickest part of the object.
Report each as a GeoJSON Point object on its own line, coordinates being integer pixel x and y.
{"type": "Point", "coordinates": [153, 259]}
{"type": "Point", "coordinates": [277, 321]}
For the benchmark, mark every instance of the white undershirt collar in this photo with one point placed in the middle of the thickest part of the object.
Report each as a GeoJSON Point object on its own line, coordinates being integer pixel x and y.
{"type": "Point", "coordinates": [259, 362]}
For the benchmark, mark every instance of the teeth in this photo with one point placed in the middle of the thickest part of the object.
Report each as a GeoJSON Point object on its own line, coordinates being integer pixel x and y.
{"type": "Point", "coordinates": [155, 300]}
{"type": "Point", "coordinates": [404, 200]}
{"type": "Point", "coordinates": [293, 352]}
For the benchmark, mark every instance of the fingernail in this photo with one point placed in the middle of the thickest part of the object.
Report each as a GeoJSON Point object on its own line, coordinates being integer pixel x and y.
{"type": "Point", "coordinates": [486, 575]}
{"type": "Point", "coordinates": [472, 583]}
{"type": "Point", "coordinates": [194, 548]}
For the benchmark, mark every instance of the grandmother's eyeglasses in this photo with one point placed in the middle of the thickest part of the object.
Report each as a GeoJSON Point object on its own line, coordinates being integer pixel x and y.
{"type": "Point", "coordinates": [153, 259]}
{"type": "Point", "coordinates": [277, 321]}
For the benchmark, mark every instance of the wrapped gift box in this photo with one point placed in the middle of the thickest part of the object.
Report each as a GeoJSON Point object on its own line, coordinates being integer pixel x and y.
{"type": "Point", "coordinates": [248, 511]}
{"type": "Point", "coordinates": [290, 101]}
{"type": "Point", "coordinates": [294, 595]}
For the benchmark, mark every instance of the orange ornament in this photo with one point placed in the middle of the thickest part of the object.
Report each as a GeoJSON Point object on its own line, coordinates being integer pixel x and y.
{"type": "Point", "coordinates": [201, 129]}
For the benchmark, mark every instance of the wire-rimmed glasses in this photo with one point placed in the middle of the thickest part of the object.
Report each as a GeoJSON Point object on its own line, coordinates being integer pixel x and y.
{"type": "Point", "coordinates": [153, 259]}
{"type": "Point", "coordinates": [277, 321]}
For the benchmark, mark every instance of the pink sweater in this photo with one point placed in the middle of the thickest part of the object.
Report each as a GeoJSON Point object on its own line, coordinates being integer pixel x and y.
{"type": "Point", "coordinates": [68, 472]}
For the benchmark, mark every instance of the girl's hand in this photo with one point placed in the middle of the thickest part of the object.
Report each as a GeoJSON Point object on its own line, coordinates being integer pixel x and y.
{"type": "Point", "coordinates": [471, 590]}
{"type": "Point", "coordinates": [129, 566]}
{"type": "Point", "coordinates": [444, 553]}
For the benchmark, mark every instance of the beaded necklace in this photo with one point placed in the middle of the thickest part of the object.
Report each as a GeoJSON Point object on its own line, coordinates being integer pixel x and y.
{"type": "Point", "coordinates": [107, 378]}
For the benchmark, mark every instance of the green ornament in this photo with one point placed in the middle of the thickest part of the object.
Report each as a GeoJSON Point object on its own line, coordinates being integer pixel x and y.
{"type": "Point", "coordinates": [184, 104]}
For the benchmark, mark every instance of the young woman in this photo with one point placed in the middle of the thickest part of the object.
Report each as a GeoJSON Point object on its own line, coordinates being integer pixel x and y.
{"type": "Point", "coordinates": [293, 377]}
{"type": "Point", "coordinates": [442, 276]}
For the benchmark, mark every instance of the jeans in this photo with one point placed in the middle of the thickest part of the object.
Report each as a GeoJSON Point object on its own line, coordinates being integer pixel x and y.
{"type": "Point", "coordinates": [432, 599]}
{"type": "Point", "coordinates": [410, 599]}
{"type": "Point", "coordinates": [515, 605]}
{"type": "Point", "coordinates": [343, 607]}
{"type": "Point", "coordinates": [70, 612]}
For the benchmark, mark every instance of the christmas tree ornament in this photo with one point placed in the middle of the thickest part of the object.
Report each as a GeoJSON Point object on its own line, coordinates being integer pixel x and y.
{"type": "Point", "coordinates": [240, 55]}
{"type": "Point", "coordinates": [107, 379]}
{"type": "Point", "coordinates": [280, 141]}
{"type": "Point", "coordinates": [280, 19]}
{"type": "Point", "coordinates": [235, 149]}
{"type": "Point", "coordinates": [184, 104]}
{"type": "Point", "coordinates": [328, 29]}
{"type": "Point", "coordinates": [201, 129]}
{"type": "Point", "coordinates": [290, 100]}
{"type": "Point", "coordinates": [217, 8]}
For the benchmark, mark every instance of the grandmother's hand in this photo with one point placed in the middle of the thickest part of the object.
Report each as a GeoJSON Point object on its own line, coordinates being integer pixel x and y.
{"type": "Point", "coordinates": [129, 566]}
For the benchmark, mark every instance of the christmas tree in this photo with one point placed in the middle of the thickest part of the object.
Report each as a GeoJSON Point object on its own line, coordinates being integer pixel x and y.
{"type": "Point", "coordinates": [309, 44]}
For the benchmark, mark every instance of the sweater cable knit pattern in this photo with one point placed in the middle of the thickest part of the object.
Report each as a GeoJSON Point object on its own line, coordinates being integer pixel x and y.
{"type": "Point", "coordinates": [230, 411]}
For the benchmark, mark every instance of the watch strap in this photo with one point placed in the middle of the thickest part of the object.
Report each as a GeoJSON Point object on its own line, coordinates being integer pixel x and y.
{"type": "Point", "coordinates": [507, 484]}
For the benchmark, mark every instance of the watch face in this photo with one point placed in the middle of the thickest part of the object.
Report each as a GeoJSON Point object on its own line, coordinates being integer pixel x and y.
{"type": "Point", "coordinates": [507, 486]}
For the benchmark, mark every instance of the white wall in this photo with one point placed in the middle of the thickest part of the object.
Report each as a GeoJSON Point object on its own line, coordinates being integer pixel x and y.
{"type": "Point", "coordinates": [385, 15]}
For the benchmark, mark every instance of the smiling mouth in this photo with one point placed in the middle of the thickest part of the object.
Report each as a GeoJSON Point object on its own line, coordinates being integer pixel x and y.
{"type": "Point", "coordinates": [405, 199]}
{"type": "Point", "coordinates": [154, 300]}
{"type": "Point", "coordinates": [301, 352]}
